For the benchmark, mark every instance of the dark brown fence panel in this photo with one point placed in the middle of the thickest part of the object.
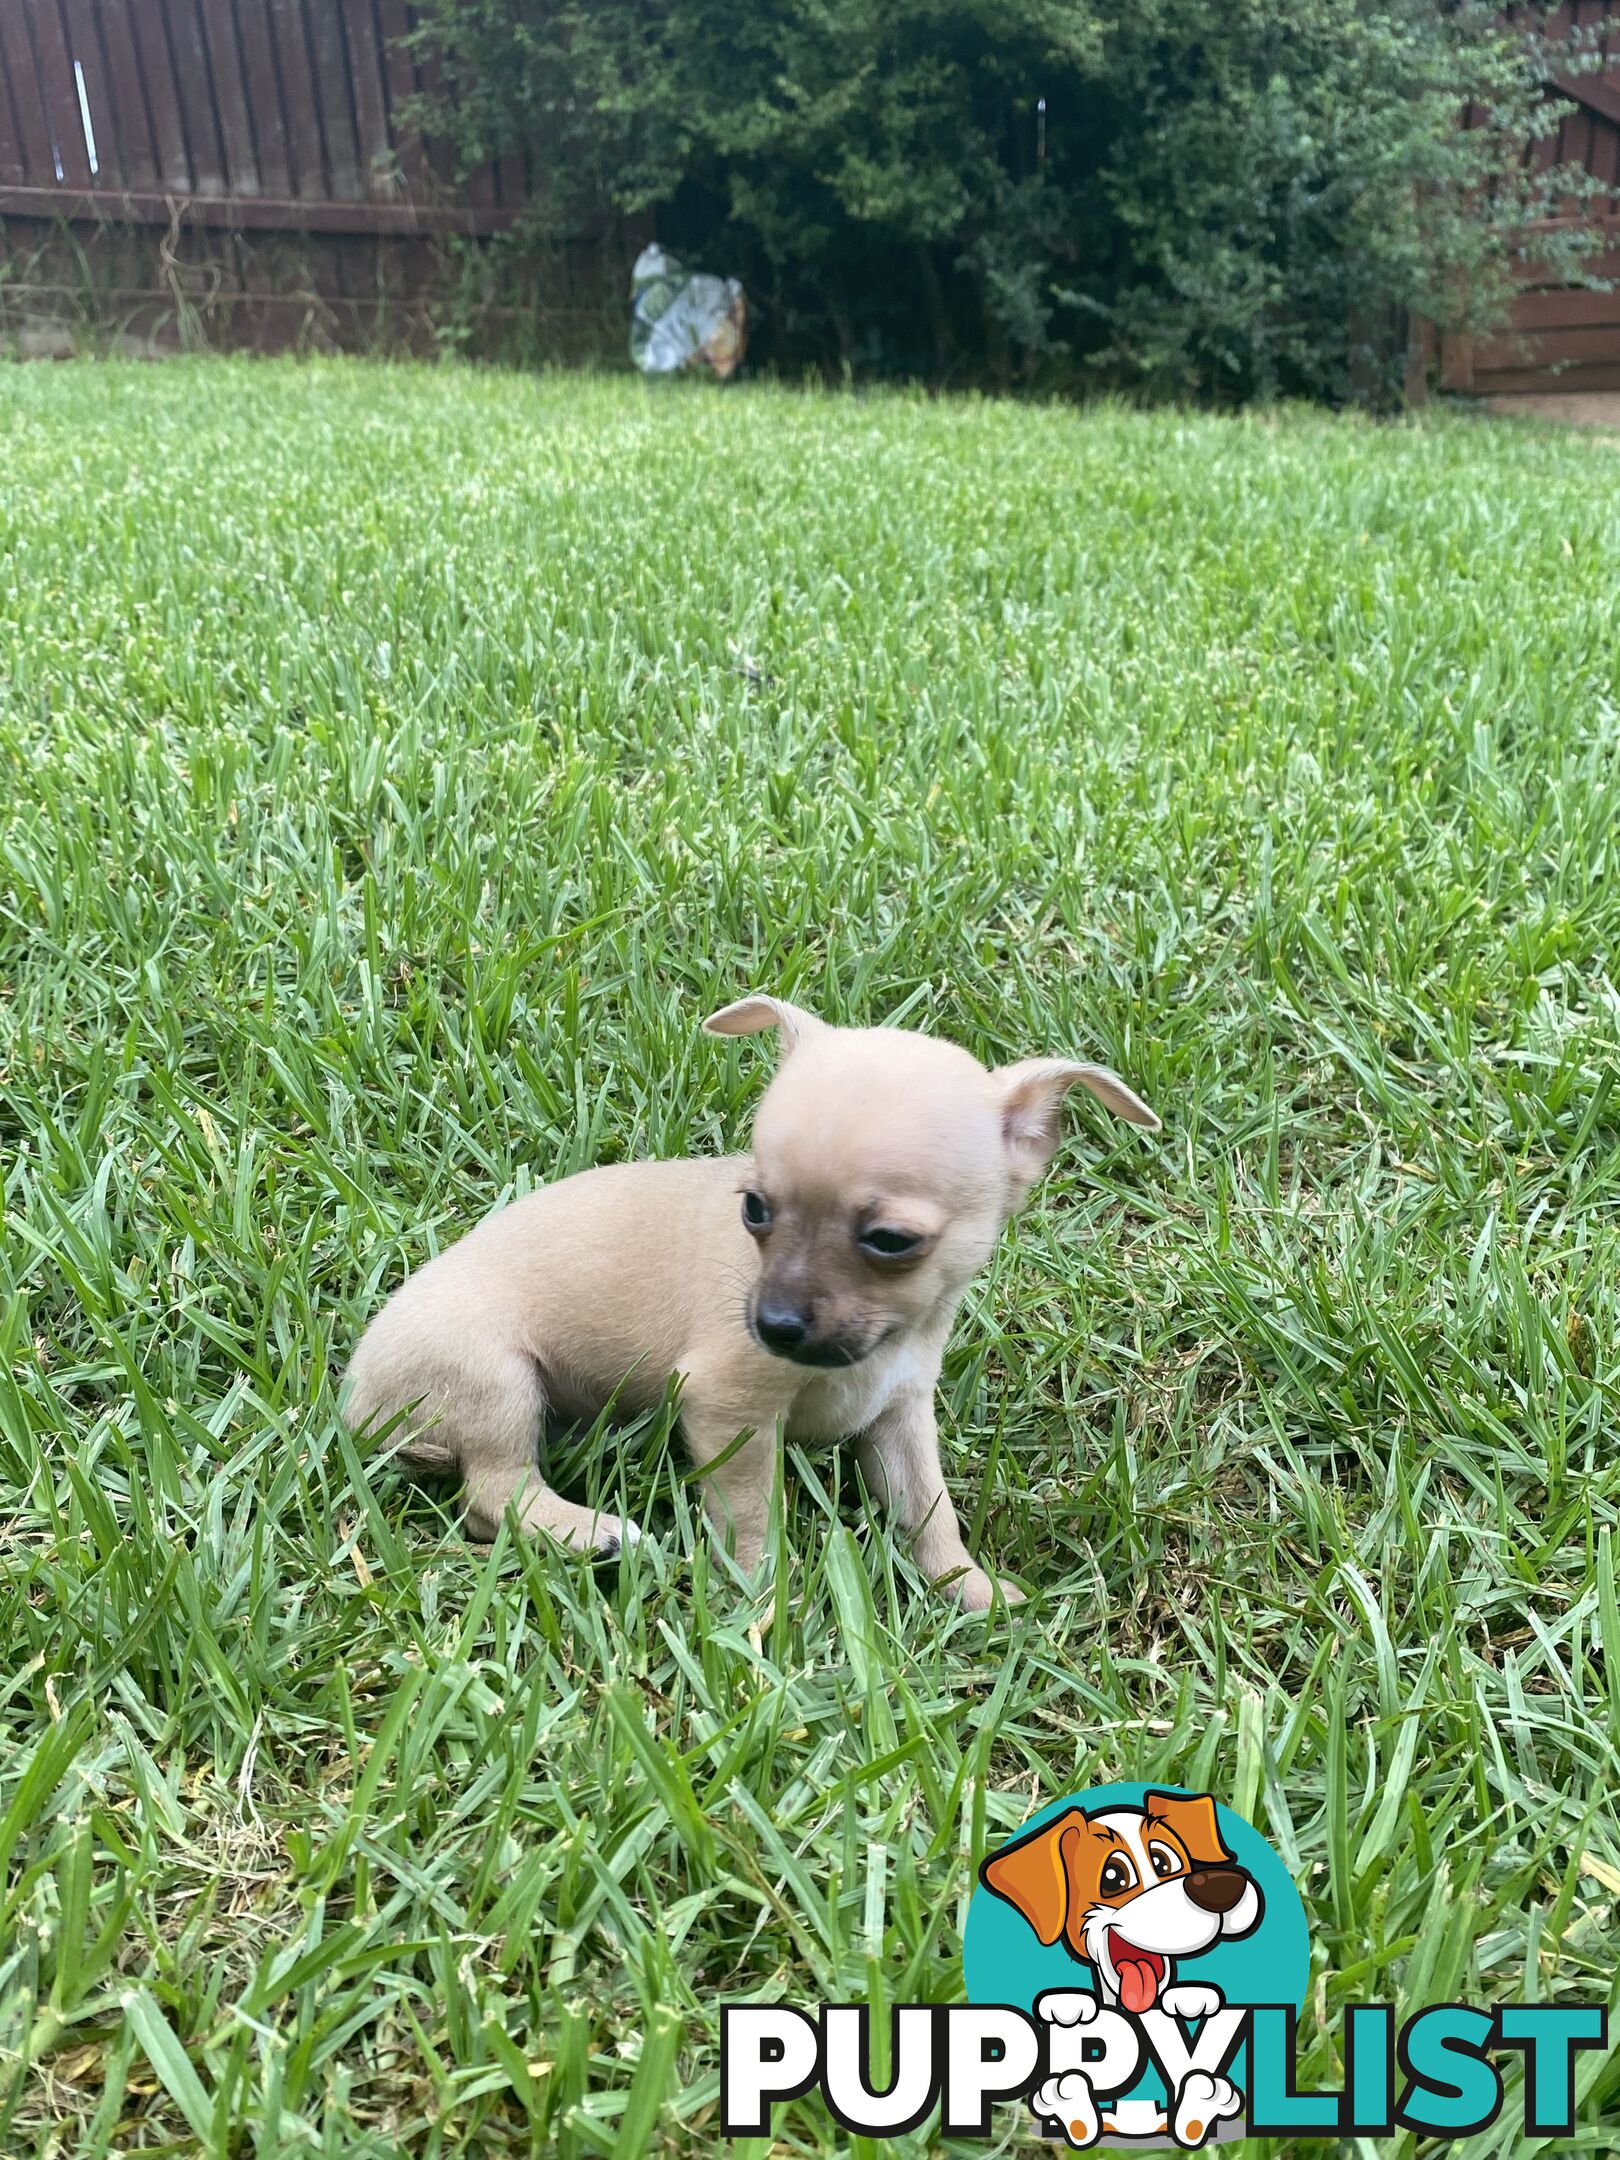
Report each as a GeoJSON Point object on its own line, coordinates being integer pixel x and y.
{"type": "Point", "coordinates": [335, 104]}
{"type": "Point", "coordinates": [199, 98]}
{"type": "Point", "coordinates": [221, 109]}
{"type": "Point", "coordinates": [24, 139]}
{"type": "Point", "coordinates": [33, 137]}
{"type": "Point", "coordinates": [440, 159]}
{"type": "Point", "coordinates": [291, 45]}
{"type": "Point", "coordinates": [262, 90]}
{"type": "Point", "coordinates": [159, 75]}
{"type": "Point", "coordinates": [150, 288]}
{"type": "Point", "coordinates": [60, 90]}
{"type": "Point", "coordinates": [104, 43]}
{"type": "Point", "coordinates": [371, 114]}
{"type": "Point", "coordinates": [11, 164]}
{"type": "Point", "coordinates": [400, 87]}
{"type": "Point", "coordinates": [1562, 338]}
{"type": "Point", "coordinates": [257, 180]}
{"type": "Point", "coordinates": [230, 96]}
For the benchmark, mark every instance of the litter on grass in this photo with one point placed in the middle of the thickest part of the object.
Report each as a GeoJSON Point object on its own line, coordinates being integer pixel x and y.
{"type": "Point", "coordinates": [682, 320]}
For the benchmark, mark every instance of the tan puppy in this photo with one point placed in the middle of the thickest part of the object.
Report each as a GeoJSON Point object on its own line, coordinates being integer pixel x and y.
{"type": "Point", "coordinates": [810, 1286]}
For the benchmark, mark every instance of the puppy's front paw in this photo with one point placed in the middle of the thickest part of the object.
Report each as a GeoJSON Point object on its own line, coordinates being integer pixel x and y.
{"type": "Point", "coordinates": [975, 1591]}
{"type": "Point", "coordinates": [603, 1537]}
{"type": "Point", "coordinates": [1190, 1999]}
{"type": "Point", "coordinates": [614, 1532]}
{"type": "Point", "coordinates": [1202, 2102]}
{"type": "Point", "coordinates": [1068, 2102]}
{"type": "Point", "coordinates": [1066, 2006]}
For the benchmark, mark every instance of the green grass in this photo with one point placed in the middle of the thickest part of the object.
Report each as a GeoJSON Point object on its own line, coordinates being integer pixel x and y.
{"type": "Point", "coordinates": [396, 767]}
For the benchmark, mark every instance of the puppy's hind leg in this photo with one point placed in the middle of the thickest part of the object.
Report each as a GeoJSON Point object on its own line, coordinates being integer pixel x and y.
{"type": "Point", "coordinates": [499, 1465]}
{"type": "Point", "coordinates": [481, 1416]}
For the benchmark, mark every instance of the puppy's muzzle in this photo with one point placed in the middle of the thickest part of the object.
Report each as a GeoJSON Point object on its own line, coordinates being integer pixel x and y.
{"type": "Point", "coordinates": [1216, 1890]}
{"type": "Point", "coordinates": [786, 1330]}
{"type": "Point", "coordinates": [781, 1327]}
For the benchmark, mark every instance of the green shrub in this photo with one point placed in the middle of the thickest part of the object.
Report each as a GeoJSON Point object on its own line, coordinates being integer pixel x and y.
{"type": "Point", "coordinates": [1224, 198]}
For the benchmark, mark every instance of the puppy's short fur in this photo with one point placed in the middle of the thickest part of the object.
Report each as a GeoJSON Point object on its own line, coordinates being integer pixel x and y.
{"type": "Point", "coordinates": [810, 1285]}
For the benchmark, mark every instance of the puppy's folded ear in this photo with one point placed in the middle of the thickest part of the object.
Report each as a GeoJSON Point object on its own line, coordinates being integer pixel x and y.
{"type": "Point", "coordinates": [1033, 1875]}
{"type": "Point", "coordinates": [751, 1015]}
{"type": "Point", "coordinates": [1192, 1817]}
{"type": "Point", "coordinates": [1032, 1094]}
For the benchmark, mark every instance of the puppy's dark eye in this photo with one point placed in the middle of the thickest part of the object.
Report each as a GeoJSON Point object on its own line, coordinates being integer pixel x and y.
{"type": "Point", "coordinates": [1117, 1875]}
{"type": "Point", "coordinates": [888, 1244]}
{"type": "Point", "coordinates": [756, 1211]}
{"type": "Point", "coordinates": [1165, 1862]}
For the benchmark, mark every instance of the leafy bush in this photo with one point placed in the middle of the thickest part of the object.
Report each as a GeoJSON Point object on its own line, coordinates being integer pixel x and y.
{"type": "Point", "coordinates": [1217, 197]}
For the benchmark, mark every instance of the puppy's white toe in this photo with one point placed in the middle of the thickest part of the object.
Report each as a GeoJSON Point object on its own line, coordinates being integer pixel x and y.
{"type": "Point", "coordinates": [1066, 2006]}
{"type": "Point", "coordinates": [975, 1591]}
{"type": "Point", "coordinates": [1191, 1999]}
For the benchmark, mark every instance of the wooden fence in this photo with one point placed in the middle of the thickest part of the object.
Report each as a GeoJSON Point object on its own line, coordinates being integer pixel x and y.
{"type": "Point", "coordinates": [1563, 337]}
{"type": "Point", "coordinates": [247, 172]}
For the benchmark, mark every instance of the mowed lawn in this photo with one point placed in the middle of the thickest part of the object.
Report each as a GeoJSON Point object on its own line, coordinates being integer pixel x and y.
{"type": "Point", "coordinates": [396, 766]}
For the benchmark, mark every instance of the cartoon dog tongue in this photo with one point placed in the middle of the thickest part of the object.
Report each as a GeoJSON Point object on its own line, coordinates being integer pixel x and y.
{"type": "Point", "coordinates": [1138, 1978]}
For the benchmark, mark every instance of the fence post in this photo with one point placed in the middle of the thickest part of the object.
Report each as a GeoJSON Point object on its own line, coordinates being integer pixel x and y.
{"type": "Point", "coordinates": [1420, 349]}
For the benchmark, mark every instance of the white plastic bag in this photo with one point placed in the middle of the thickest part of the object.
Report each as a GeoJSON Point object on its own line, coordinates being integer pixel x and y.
{"type": "Point", "coordinates": [681, 321]}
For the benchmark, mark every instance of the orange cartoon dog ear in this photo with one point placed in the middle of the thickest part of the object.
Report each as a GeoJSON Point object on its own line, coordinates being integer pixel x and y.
{"type": "Point", "coordinates": [1193, 1821]}
{"type": "Point", "coordinates": [1033, 1875]}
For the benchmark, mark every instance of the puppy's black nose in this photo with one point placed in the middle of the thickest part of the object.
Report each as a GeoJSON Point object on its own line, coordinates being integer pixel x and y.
{"type": "Point", "coordinates": [781, 1327]}
{"type": "Point", "coordinates": [1216, 1889]}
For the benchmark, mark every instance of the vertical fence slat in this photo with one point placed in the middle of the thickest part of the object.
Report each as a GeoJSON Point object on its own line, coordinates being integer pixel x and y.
{"type": "Point", "coordinates": [263, 97]}
{"type": "Point", "coordinates": [13, 171]}
{"type": "Point", "coordinates": [130, 153]}
{"type": "Point", "coordinates": [511, 181]}
{"type": "Point", "coordinates": [1589, 129]}
{"type": "Point", "coordinates": [399, 81]}
{"type": "Point", "coordinates": [305, 156]}
{"type": "Point", "coordinates": [195, 91]}
{"type": "Point", "coordinates": [84, 46]}
{"type": "Point", "coordinates": [33, 131]}
{"type": "Point", "coordinates": [11, 164]}
{"type": "Point", "coordinates": [439, 154]}
{"type": "Point", "coordinates": [231, 110]}
{"type": "Point", "coordinates": [304, 100]}
{"type": "Point", "coordinates": [1608, 165]}
{"type": "Point", "coordinates": [332, 92]}
{"type": "Point", "coordinates": [60, 92]}
{"type": "Point", "coordinates": [370, 100]}
{"type": "Point", "coordinates": [150, 25]}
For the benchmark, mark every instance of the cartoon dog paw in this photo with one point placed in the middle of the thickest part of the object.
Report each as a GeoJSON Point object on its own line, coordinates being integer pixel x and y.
{"type": "Point", "coordinates": [1202, 2102]}
{"type": "Point", "coordinates": [1189, 1999]}
{"type": "Point", "coordinates": [1066, 2006]}
{"type": "Point", "coordinates": [1067, 2101]}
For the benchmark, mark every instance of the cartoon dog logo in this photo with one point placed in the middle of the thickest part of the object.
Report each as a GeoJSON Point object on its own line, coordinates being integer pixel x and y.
{"type": "Point", "coordinates": [1128, 1891]}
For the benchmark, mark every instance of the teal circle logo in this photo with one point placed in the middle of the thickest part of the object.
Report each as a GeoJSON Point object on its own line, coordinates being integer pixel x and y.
{"type": "Point", "coordinates": [1137, 1899]}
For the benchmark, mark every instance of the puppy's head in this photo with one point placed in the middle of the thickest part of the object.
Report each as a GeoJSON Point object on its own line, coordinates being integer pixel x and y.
{"type": "Point", "coordinates": [884, 1166]}
{"type": "Point", "coordinates": [1129, 1890]}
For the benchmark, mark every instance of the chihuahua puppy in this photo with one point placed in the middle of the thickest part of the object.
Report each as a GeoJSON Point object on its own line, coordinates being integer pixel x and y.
{"type": "Point", "coordinates": [808, 1287]}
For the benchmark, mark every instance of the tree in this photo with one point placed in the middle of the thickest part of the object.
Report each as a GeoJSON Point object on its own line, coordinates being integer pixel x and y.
{"type": "Point", "coordinates": [1231, 198]}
